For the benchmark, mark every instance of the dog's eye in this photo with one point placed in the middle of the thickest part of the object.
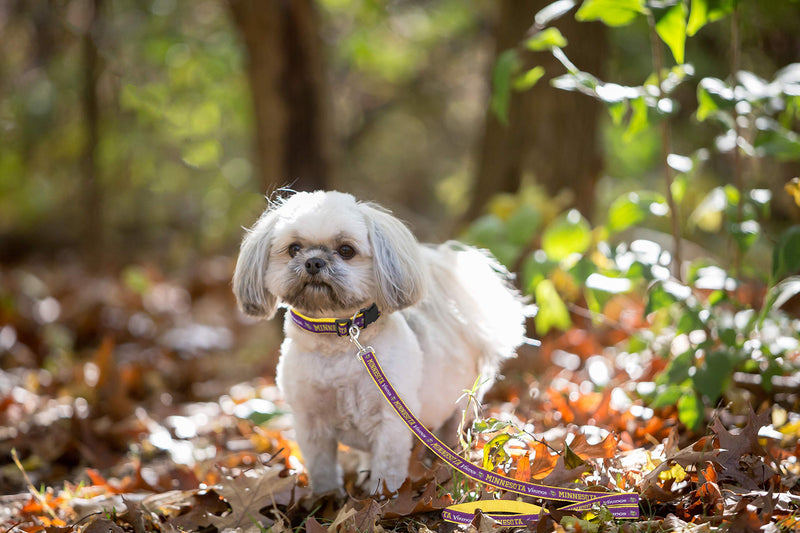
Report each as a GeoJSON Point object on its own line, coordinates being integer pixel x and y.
{"type": "Point", "coordinates": [294, 249]}
{"type": "Point", "coordinates": [346, 251]}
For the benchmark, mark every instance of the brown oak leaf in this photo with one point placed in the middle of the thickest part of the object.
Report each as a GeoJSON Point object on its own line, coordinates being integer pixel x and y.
{"type": "Point", "coordinates": [247, 494]}
{"type": "Point", "coordinates": [741, 455]}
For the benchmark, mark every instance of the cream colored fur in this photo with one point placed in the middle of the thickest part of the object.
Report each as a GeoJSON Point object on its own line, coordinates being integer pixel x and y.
{"type": "Point", "coordinates": [448, 314]}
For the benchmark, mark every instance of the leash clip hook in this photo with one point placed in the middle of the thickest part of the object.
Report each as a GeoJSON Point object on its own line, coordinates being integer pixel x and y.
{"type": "Point", "coordinates": [354, 332]}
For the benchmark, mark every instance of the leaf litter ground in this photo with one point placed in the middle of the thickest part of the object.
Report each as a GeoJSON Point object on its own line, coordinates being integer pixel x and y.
{"type": "Point", "coordinates": [127, 403]}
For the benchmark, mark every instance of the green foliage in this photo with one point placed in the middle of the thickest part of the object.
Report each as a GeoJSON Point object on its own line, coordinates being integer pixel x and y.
{"type": "Point", "coordinates": [552, 312]}
{"type": "Point", "coordinates": [786, 254]}
{"type": "Point", "coordinates": [635, 208]}
{"type": "Point", "coordinates": [712, 338]}
{"type": "Point", "coordinates": [568, 234]}
{"type": "Point", "coordinates": [699, 324]}
{"type": "Point", "coordinates": [507, 65]}
{"type": "Point", "coordinates": [172, 156]}
{"type": "Point", "coordinates": [705, 334]}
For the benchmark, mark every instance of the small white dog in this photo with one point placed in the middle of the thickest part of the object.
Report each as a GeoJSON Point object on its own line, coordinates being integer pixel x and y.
{"type": "Point", "coordinates": [446, 315]}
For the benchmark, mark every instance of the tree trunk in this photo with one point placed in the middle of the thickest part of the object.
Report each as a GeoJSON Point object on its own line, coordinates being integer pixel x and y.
{"type": "Point", "coordinates": [551, 134]}
{"type": "Point", "coordinates": [293, 142]}
{"type": "Point", "coordinates": [92, 236]}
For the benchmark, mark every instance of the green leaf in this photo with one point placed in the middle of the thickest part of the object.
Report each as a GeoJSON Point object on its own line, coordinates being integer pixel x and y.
{"type": "Point", "coordinates": [202, 154]}
{"type": "Point", "coordinates": [712, 377]}
{"type": "Point", "coordinates": [639, 121]}
{"type": "Point", "coordinates": [568, 234]}
{"type": "Point", "coordinates": [522, 224]}
{"type": "Point", "coordinates": [571, 459]}
{"type": "Point", "coordinates": [546, 39]}
{"type": "Point", "coordinates": [671, 27]}
{"type": "Point", "coordinates": [505, 252]}
{"type": "Point", "coordinates": [494, 451]}
{"type": "Point", "coordinates": [486, 230]}
{"type": "Point", "coordinates": [527, 80]}
{"type": "Point", "coordinates": [669, 396]}
{"type": "Point", "coordinates": [706, 106]}
{"type": "Point", "coordinates": [489, 425]}
{"type": "Point", "coordinates": [707, 11]}
{"type": "Point", "coordinates": [507, 65]}
{"type": "Point", "coordinates": [713, 95]}
{"type": "Point", "coordinates": [536, 267]}
{"type": "Point", "coordinates": [662, 294]}
{"type": "Point", "coordinates": [552, 311]}
{"type": "Point", "coordinates": [690, 411]}
{"type": "Point", "coordinates": [689, 321]}
{"type": "Point", "coordinates": [618, 110]}
{"type": "Point", "coordinates": [611, 12]}
{"type": "Point", "coordinates": [677, 370]}
{"type": "Point", "coordinates": [745, 233]}
{"type": "Point", "coordinates": [774, 140]}
{"type": "Point", "coordinates": [633, 208]}
{"type": "Point", "coordinates": [786, 254]}
{"type": "Point", "coordinates": [783, 292]}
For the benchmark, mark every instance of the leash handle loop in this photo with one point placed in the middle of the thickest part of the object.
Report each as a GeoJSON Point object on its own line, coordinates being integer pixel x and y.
{"type": "Point", "coordinates": [620, 504]}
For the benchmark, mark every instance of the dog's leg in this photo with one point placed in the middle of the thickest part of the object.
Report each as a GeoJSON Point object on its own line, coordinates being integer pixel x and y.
{"type": "Point", "coordinates": [319, 446]}
{"type": "Point", "coordinates": [390, 453]}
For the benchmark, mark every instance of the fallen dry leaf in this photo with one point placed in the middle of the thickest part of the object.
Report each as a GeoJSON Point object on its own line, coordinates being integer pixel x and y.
{"type": "Point", "coordinates": [247, 494]}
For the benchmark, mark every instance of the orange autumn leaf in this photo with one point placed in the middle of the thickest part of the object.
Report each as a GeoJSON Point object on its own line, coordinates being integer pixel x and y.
{"type": "Point", "coordinates": [523, 472]}
{"type": "Point", "coordinates": [543, 461]}
{"type": "Point", "coordinates": [604, 449]}
{"type": "Point", "coordinates": [560, 404]}
{"type": "Point", "coordinates": [95, 477]}
{"type": "Point", "coordinates": [709, 472]}
{"type": "Point", "coordinates": [32, 506]}
{"type": "Point", "coordinates": [51, 522]}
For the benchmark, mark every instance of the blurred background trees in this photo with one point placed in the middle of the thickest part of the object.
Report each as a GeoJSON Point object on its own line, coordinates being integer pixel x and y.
{"type": "Point", "coordinates": [153, 128]}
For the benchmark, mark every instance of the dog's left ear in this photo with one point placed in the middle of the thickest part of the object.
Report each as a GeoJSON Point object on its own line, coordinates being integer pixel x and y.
{"type": "Point", "coordinates": [249, 278]}
{"type": "Point", "coordinates": [396, 260]}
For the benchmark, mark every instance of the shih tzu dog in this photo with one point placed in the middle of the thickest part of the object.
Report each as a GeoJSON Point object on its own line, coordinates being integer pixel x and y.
{"type": "Point", "coordinates": [437, 317]}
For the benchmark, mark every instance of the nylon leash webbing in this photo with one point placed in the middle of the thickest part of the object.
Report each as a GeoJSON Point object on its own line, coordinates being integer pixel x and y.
{"type": "Point", "coordinates": [620, 504]}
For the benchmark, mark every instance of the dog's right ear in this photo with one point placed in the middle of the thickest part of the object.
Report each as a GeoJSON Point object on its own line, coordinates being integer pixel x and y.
{"type": "Point", "coordinates": [249, 278]}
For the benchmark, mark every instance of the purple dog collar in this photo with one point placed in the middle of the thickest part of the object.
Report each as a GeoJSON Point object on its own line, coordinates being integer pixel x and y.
{"type": "Point", "coordinates": [339, 326]}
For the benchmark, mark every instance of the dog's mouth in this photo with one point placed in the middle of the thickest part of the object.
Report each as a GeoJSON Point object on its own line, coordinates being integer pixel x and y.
{"type": "Point", "coordinates": [317, 285]}
{"type": "Point", "coordinates": [314, 295]}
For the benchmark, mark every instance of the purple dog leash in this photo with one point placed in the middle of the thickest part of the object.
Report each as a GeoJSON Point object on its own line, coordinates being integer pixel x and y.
{"type": "Point", "coordinates": [621, 505]}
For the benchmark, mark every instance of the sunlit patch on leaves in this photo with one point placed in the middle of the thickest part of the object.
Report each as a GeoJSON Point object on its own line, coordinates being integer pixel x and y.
{"type": "Point", "coordinates": [611, 12]}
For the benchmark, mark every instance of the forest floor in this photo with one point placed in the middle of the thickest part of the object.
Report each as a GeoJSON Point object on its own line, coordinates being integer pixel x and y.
{"type": "Point", "coordinates": [142, 402]}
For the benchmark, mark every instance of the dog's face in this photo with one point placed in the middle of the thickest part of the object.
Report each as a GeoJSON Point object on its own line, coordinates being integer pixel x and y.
{"type": "Point", "coordinates": [325, 253]}
{"type": "Point", "coordinates": [320, 258]}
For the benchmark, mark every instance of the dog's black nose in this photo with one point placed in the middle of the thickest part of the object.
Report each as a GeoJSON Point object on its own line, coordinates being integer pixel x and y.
{"type": "Point", "coordinates": [314, 265]}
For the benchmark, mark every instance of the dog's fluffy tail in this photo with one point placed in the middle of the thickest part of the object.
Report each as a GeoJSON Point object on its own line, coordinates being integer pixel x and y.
{"type": "Point", "coordinates": [476, 300]}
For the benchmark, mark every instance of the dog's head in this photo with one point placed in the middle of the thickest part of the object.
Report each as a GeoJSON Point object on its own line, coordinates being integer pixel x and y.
{"type": "Point", "coordinates": [325, 253]}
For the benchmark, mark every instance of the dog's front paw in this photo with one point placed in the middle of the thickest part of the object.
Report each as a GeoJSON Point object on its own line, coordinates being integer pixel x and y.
{"type": "Point", "coordinates": [392, 483]}
{"type": "Point", "coordinates": [387, 478]}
